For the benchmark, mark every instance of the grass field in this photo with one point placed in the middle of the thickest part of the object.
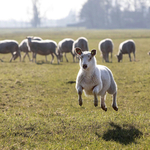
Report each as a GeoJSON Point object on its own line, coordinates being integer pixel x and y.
{"type": "Point", "coordinates": [39, 104]}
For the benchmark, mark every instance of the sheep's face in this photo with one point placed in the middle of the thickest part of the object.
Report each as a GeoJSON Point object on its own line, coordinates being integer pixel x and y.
{"type": "Point", "coordinates": [119, 57]}
{"type": "Point", "coordinates": [15, 55]}
{"type": "Point", "coordinates": [86, 58]}
{"type": "Point", "coordinates": [60, 56]}
{"type": "Point", "coordinates": [29, 38]}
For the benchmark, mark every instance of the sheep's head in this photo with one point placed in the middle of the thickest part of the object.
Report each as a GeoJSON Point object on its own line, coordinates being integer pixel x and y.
{"type": "Point", "coordinates": [87, 59]}
{"type": "Point", "coordinates": [16, 54]}
{"type": "Point", "coordinates": [29, 38]}
{"type": "Point", "coordinates": [119, 57]}
{"type": "Point", "coordinates": [60, 56]}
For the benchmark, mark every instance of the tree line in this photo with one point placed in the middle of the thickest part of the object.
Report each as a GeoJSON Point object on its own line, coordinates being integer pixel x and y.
{"type": "Point", "coordinates": [110, 14]}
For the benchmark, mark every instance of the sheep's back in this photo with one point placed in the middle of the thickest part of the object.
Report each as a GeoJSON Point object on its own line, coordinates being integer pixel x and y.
{"type": "Point", "coordinates": [66, 46]}
{"type": "Point", "coordinates": [43, 47]}
{"type": "Point", "coordinates": [127, 47]}
{"type": "Point", "coordinates": [106, 45]}
{"type": "Point", "coordinates": [7, 46]}
{"type": "Point", "coordinates": [23, 46]}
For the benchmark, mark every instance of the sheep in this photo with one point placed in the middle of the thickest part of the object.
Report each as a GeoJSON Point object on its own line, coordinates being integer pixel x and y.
{"type": "Point", "coordinates": [24, 48]}
{"type": "Point", "coordinates": [94, 79]}
{"type": "Point", "coordinates": [126, 47]}
{"type": "Point", "coordinates": [65, 46]}
{"type": "Point", "coordinates": [10, 46]}
{"type": "Point", "coordinates": [82, 43]}
{"type": "Point", "coordinates": [44, 47]}
{"type": "Point", "coordinates": [106, 47]}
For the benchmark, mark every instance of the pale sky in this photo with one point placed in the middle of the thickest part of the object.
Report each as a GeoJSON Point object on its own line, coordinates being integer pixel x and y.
{"type": "Point", "coordinates": [51, 9]}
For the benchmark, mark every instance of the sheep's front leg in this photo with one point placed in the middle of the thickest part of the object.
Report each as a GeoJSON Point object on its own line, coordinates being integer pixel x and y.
{"type": "Point", "coordinates": [103, 106]}
{"type": "Point", "coordinates": [66, 57]}
{"type": "Point", "coordinates": [79, 90]}
{"type": "Point", "coordinates": [96, 90]}
{"type": "Point", "coordinates": [95, 100]}
{"type": "Point", "coordinates": [28, 56]}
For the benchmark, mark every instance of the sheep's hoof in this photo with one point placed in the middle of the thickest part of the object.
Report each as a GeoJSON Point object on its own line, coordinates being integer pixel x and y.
{"type": "Point", "coordinates": [95, 104]}
{"type": "Point", "coordinates": [80, 103]}
{"type": "Point", "coordinates": [104, 108]}
{"type": "Point", "coordinates": [115, 108]}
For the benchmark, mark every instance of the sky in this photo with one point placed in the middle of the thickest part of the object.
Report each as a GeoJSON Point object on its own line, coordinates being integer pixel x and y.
{"type": "Point", "coordinates": [21, 10]}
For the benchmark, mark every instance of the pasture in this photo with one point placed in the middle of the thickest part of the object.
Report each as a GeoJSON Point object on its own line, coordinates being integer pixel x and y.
{"type": "Point", "coordinates": [39, 104]}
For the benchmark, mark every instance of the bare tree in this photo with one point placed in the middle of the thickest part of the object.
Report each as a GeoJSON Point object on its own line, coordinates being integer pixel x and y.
{"type": "Point", "coordinates": [36, 20]}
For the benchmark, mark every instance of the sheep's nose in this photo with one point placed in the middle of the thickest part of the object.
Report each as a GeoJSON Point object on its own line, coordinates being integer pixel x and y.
{"type": "Point", "coordinates": [84, 66]}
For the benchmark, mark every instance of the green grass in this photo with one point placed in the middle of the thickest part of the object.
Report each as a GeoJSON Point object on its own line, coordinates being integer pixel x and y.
{"type": "Point", "coordinates": [39, 103]}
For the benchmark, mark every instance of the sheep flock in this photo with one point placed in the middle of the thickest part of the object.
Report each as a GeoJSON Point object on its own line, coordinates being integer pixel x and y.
{"type": "Point", "coordinates": [45, 47]}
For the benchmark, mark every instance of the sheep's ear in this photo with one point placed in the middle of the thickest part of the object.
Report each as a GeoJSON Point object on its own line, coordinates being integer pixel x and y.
{"type": "Point", "coordinates": [29, 37]}
{"type": "Point", "coordinates": [78, 51]}
{"type": "Point", "coordinates": [93, 52]}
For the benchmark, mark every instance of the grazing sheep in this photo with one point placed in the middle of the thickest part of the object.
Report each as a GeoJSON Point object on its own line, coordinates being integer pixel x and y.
{"type": "Point", "coordinates": [10, 46]}
{"type": "Point", "coordinates": [24, 48]}
{"type": "Point", "coordinates": [126, 47]}
{"type": "Point", "coordinates": [65, 46]}
{"type": "Point", "coordinates": [82, 43]}
{"type": "Point", "coordinates": [148, 53]}
{"type": "Point", "coordinates": [44, 47]}
{"type": "Point", "coordinates": [94, 79]}
{"type": "Point", "coordinates": [106, 47]}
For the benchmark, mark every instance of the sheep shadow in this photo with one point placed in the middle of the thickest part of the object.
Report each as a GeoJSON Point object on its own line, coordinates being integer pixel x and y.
{"type": "Point", "coordinates": [124, 135]}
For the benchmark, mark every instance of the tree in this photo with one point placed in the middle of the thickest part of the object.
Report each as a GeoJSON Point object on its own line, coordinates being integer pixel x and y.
{"type": "Point", "coordinates": [93, 14]}
{"type": "Point", "coordinates": [36, 20]}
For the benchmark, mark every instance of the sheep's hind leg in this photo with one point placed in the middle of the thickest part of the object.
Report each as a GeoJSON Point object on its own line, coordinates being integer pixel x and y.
{"type": "Point", "coordinates": [130, 57]}
{"type": "Point", "coordinates": [114, 104]}
{"type": "Point", "coordinates": [52, 58]}
{"type": "Point", "coordinates": [103, 106]}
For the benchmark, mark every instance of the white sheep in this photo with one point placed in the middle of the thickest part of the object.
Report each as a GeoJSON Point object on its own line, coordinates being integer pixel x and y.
{"type": "Point", "coordinates": [95, 79]}
{"type": "Point", "coordinates": [10, 46]}
{"type": "Point", "coordinates": [24, 47]}
{"type": "Point", "coordinates": [82, 43]}
{"type": "Point", "coordinates": [65, 46]}
{"type": "Point", "coordinates": [126, 47]}
{"type": "Point", "coordinates": [106, 47]}
{"type": "Point", "coordinates": [44, 47]}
